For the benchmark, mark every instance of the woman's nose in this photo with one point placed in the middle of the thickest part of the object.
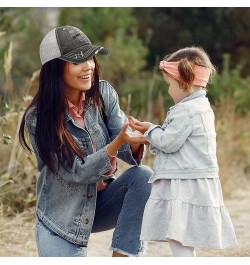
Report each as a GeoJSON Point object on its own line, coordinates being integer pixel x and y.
{"type": "Point", "coordinates": [86, 65]}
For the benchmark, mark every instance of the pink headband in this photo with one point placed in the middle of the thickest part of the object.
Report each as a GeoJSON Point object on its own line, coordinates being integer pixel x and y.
{"type": "Point", "coordinates": [201, 73]}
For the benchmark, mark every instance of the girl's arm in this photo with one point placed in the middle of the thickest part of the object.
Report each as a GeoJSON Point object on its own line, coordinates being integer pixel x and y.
{"type": "Point", "coordinates": [170, 137]}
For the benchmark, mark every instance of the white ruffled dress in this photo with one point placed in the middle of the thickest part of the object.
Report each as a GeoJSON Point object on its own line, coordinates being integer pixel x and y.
{"type": "Point", "coordinates": [190, 211]}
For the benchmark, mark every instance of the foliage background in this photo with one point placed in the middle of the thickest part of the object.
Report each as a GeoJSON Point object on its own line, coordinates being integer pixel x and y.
{"type": "Point", "coordinates": [138, 38]}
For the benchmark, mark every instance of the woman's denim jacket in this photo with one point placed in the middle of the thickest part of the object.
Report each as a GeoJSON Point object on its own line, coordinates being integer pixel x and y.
{"type": "Point", "coordinates": [185, 145]}
{"type": "Point", "coordinates": [66, 201]}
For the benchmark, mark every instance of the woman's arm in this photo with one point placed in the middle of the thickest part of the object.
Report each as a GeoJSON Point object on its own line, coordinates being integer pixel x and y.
{"type": "Point", "coordinates": [130, 151]}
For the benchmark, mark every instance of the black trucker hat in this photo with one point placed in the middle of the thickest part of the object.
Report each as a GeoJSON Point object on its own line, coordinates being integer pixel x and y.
{"type": "Point", "coordinates": [69, 44]}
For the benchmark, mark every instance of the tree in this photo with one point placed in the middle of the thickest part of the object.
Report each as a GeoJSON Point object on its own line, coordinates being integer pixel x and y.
{"type": "Point", "coordinates": [218, 30]}
{"type": "Point", "coordinates": [25, 27]}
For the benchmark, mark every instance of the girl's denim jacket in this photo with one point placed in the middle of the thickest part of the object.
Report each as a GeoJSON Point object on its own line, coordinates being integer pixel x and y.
{"type": "Point", "coordinates": [185, 145]}
{"type": "Point", "coordinates": [66, 201]}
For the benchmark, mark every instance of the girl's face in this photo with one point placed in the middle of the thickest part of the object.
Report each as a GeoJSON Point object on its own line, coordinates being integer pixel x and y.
{"type": "Point", "coordinates": [78, 77]}
{"type": "Point", "coordinates": [174, 90]}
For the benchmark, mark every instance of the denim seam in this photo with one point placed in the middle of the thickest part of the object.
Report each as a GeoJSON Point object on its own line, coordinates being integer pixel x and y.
{"type": "Point", "coordinates": [118, 221]}
{"type": "Point", "coordinates": [37, 237]}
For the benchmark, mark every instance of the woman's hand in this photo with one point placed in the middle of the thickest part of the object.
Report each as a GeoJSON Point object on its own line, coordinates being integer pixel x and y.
{"type": "Point", "coordinates": [130, 137]}
{"type": "Point", "coordinates": [135, 139]}
{"type": "Point", "coordinates": [140, 126]}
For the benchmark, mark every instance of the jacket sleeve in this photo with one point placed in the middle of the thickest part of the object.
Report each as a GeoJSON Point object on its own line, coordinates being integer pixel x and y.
{"type": "Point", "coordinates": [172, 136]}
{"type": "Point", "coordinates": [116, 118]}
{"type": "Point", "coordinates": [82, 170]}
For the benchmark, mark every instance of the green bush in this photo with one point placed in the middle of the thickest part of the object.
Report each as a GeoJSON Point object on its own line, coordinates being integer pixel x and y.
{"type": "Point", "coordinates": [229, 84]}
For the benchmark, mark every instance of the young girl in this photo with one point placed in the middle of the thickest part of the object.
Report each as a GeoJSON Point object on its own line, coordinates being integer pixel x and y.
{"type": "Point", "coordinates": [186, 205]}
{"type": "Point", "coordinates": [77, 130]}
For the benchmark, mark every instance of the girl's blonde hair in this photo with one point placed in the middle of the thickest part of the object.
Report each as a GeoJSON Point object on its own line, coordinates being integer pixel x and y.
{"type": "Point", "coordinates": [187, 57]}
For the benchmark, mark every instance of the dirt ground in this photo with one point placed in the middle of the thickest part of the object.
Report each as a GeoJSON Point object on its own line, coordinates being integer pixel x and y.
{"type": "Point", "coordinates": [17, 234]}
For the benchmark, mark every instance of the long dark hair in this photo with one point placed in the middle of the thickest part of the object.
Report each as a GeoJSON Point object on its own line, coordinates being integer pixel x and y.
{"type": "Point", "coordinates": [54, 142]}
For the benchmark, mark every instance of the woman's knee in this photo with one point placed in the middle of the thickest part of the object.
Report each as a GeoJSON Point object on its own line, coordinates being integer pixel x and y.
{"type": "Point", "coordinates": [140, 175]}
{"type": "Point", "coordinates": [143, 171]}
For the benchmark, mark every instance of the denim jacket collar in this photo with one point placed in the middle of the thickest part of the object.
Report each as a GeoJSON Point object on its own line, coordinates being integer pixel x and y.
{"type": "Point", "coordinates": [67, 115]}
{"type": "Point", "coordinates": [194, 95]}
{"type": "Point", "coordinates": [197, 94]}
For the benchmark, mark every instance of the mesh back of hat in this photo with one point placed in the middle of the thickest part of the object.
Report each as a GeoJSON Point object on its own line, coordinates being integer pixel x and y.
{"type": "Point", "coordinates": [49, 48]}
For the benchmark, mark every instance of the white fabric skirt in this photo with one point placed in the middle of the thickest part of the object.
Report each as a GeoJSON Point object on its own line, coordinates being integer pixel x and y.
{"type": "Point", "coordinates": [190, 211]}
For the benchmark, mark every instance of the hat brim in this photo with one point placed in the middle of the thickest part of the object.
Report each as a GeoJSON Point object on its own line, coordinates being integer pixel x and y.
{"type": "Point", "coordinates": [84, 53]}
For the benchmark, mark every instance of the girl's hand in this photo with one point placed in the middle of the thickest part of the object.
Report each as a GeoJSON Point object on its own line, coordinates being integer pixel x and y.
{"type": "Point", "coordinates": [139, 125]}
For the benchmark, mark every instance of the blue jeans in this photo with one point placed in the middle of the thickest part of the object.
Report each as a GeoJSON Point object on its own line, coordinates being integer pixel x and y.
{"type": "Point", "coordinates": [119, 206]}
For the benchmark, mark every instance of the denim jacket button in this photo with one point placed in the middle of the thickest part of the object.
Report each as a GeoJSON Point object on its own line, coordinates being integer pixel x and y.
{"type": "Point", "coordinates": [86, 221]}
{"type": "Point", "coordinates": [89, 195]}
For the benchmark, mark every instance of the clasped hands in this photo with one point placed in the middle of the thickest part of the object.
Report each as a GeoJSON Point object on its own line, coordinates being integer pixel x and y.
{"type": "Point", "coordinates": [139, 127]}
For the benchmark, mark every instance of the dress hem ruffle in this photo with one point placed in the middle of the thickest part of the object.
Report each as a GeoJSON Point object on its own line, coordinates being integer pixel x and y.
{"type": "Point", "coordinates": [192, 225]}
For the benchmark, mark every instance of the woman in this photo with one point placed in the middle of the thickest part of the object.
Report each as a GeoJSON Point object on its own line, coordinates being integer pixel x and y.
{"type": "Point", "coordinates": [77, 130]}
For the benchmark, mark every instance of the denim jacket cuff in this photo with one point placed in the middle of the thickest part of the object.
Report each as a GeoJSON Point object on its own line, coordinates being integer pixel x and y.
{"type": "Point", "coordinates": [151, 128]}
